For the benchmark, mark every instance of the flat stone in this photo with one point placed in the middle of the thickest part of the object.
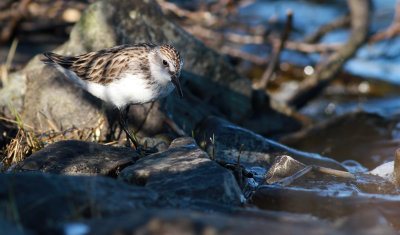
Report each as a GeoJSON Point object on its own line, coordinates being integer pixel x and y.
{"type": "Point", "coordinates": [72, 157]}
{"type": "Point", "coordinates": [184, 171]}
{"type": "Point", "coordinates": [42, 202]}
{"type": "Point", "coordinates": [257, 150]}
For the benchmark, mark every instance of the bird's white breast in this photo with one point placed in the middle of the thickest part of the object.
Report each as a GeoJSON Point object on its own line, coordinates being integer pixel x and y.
{"type": "Point", "coordinates": [130, 89]}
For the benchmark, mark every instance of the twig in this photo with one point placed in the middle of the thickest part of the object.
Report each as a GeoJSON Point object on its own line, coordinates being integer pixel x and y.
{"type": "Point", "coordinates": [277, 51]}
{"type": "Point", "coordinates": [330, 171]}
{"type": "Point", "coordinates": [16, 122]}
{"type": "Point", "coordinates": [392, 30]}
{"type": "Point", "coordinates": [49, 122]}
{"type": "Point", "coordinates": [174, 127]}
{"type": "Point", "coordinates": [215, 37]}
{"type": "Point", "coordinates": [14, 16]}
{"type": "Point", "coordinates": [290, 179]}
{"type": "Point", "coordinates": [243, 55]}
{"type": "Point", "coordinates": [201, 16]}
{"type": "Point", "coordinates": [338, 23]}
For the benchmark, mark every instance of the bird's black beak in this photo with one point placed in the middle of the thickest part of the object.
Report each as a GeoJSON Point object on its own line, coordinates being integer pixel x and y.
{"type": "Point", "coordinates": [175, 81]}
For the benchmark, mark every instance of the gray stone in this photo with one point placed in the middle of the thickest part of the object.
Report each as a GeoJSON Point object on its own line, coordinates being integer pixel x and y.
{"type": "Point", "coordinates": [54, 102]}
{"type": "Point", "coordinates": [282, 167]}
{"type": "Point", "coordinates": [257, 150]}
{"type": "Point", "coordinates": [74, 157]}
{"type": "Point", "coordinates": [12, 94]}
{"type": "Point", "coordinates": [184, 171]}
{"type": "Point", "coordinates": [43, 202]}
{"type": "Point", "coordinates": [192, 222]}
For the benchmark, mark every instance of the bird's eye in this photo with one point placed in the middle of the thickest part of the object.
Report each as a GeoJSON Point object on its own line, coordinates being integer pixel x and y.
{"type": "Point", "coordinates": [165, 63]}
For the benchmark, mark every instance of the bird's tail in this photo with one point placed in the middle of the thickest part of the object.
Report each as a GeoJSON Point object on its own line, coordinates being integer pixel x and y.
{"type": "Point", "coordinates": [47, 58]}
{"type": "Point", "coordinates": [53, 58]}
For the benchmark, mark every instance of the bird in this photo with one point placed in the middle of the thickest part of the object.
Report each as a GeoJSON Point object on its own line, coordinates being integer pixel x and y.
{"type": "Point", "coordinates": [124, 75]}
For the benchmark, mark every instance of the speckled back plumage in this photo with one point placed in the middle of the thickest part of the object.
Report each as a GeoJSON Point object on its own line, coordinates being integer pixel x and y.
{"type": "Point", "coordinates": [106, 65]}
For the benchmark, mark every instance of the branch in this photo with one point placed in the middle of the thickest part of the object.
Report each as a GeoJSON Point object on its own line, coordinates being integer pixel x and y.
{"type": "Point", "coordinates": [341, 22]}
{"type": "Point", "coordinates": [277, 51]}
{"type": "Point", "coordinates": [392, 30]}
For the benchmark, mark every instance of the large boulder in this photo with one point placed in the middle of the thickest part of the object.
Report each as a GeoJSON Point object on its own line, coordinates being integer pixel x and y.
{"type": "Point", "coordinates": [184, 171]}
{"type": "Point", "coordinates": [256, 151]}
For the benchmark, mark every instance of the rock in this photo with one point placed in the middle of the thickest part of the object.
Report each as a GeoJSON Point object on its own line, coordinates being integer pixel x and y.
{"type": "Point", "coordinates": [282, 167]}
{"type": "Point", "coordinates": [184, 171]}
{"type": "Point", "coordinates": [74, 157]}
{"type": "Point", "coordinates": [386, 171]}
{"type": "Point", "coordinates": [12, 94]}
{"type": "Point", "coordinates": [43, 202]}
{"type": "Point", "coordinates": [191, 222]}
{"type": "Point", "coordinates": [257, 150]}
{"type": "Point", "coordinates": [53, 102]}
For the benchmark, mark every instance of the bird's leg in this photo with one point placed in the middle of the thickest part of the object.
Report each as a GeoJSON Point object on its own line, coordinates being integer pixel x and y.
{"type": "Point", "coordinates": [123, 122]}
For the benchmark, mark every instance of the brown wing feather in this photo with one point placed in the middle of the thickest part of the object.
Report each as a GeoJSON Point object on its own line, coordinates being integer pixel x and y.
{"type": "Point", "coordinates": [102, 66]}
{"type": "Point", "coordinates": [53, 58]}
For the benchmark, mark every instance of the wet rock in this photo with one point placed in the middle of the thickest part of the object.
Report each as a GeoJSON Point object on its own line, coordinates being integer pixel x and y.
{"type": "Point", "coordinates": [74, 157]}
{"type": "Point", "coordinates": [386, 171]}
{"type": "Point", "coordinates": [43, 202]}
{"type": "Point", "coordinates": [257, 151]}
{"type": "Point", "coordinates": [191, 222]}
{"type": "Point", "coordinates": [282, 167]}
{"type": "Point", "coordinates": [369, 183]}
{"type": "Point", "coordinates": [184, 171]}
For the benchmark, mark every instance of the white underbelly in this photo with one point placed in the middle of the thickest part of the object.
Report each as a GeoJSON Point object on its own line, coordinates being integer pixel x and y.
{"type": "Point", "coordinates": [129, 90]}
